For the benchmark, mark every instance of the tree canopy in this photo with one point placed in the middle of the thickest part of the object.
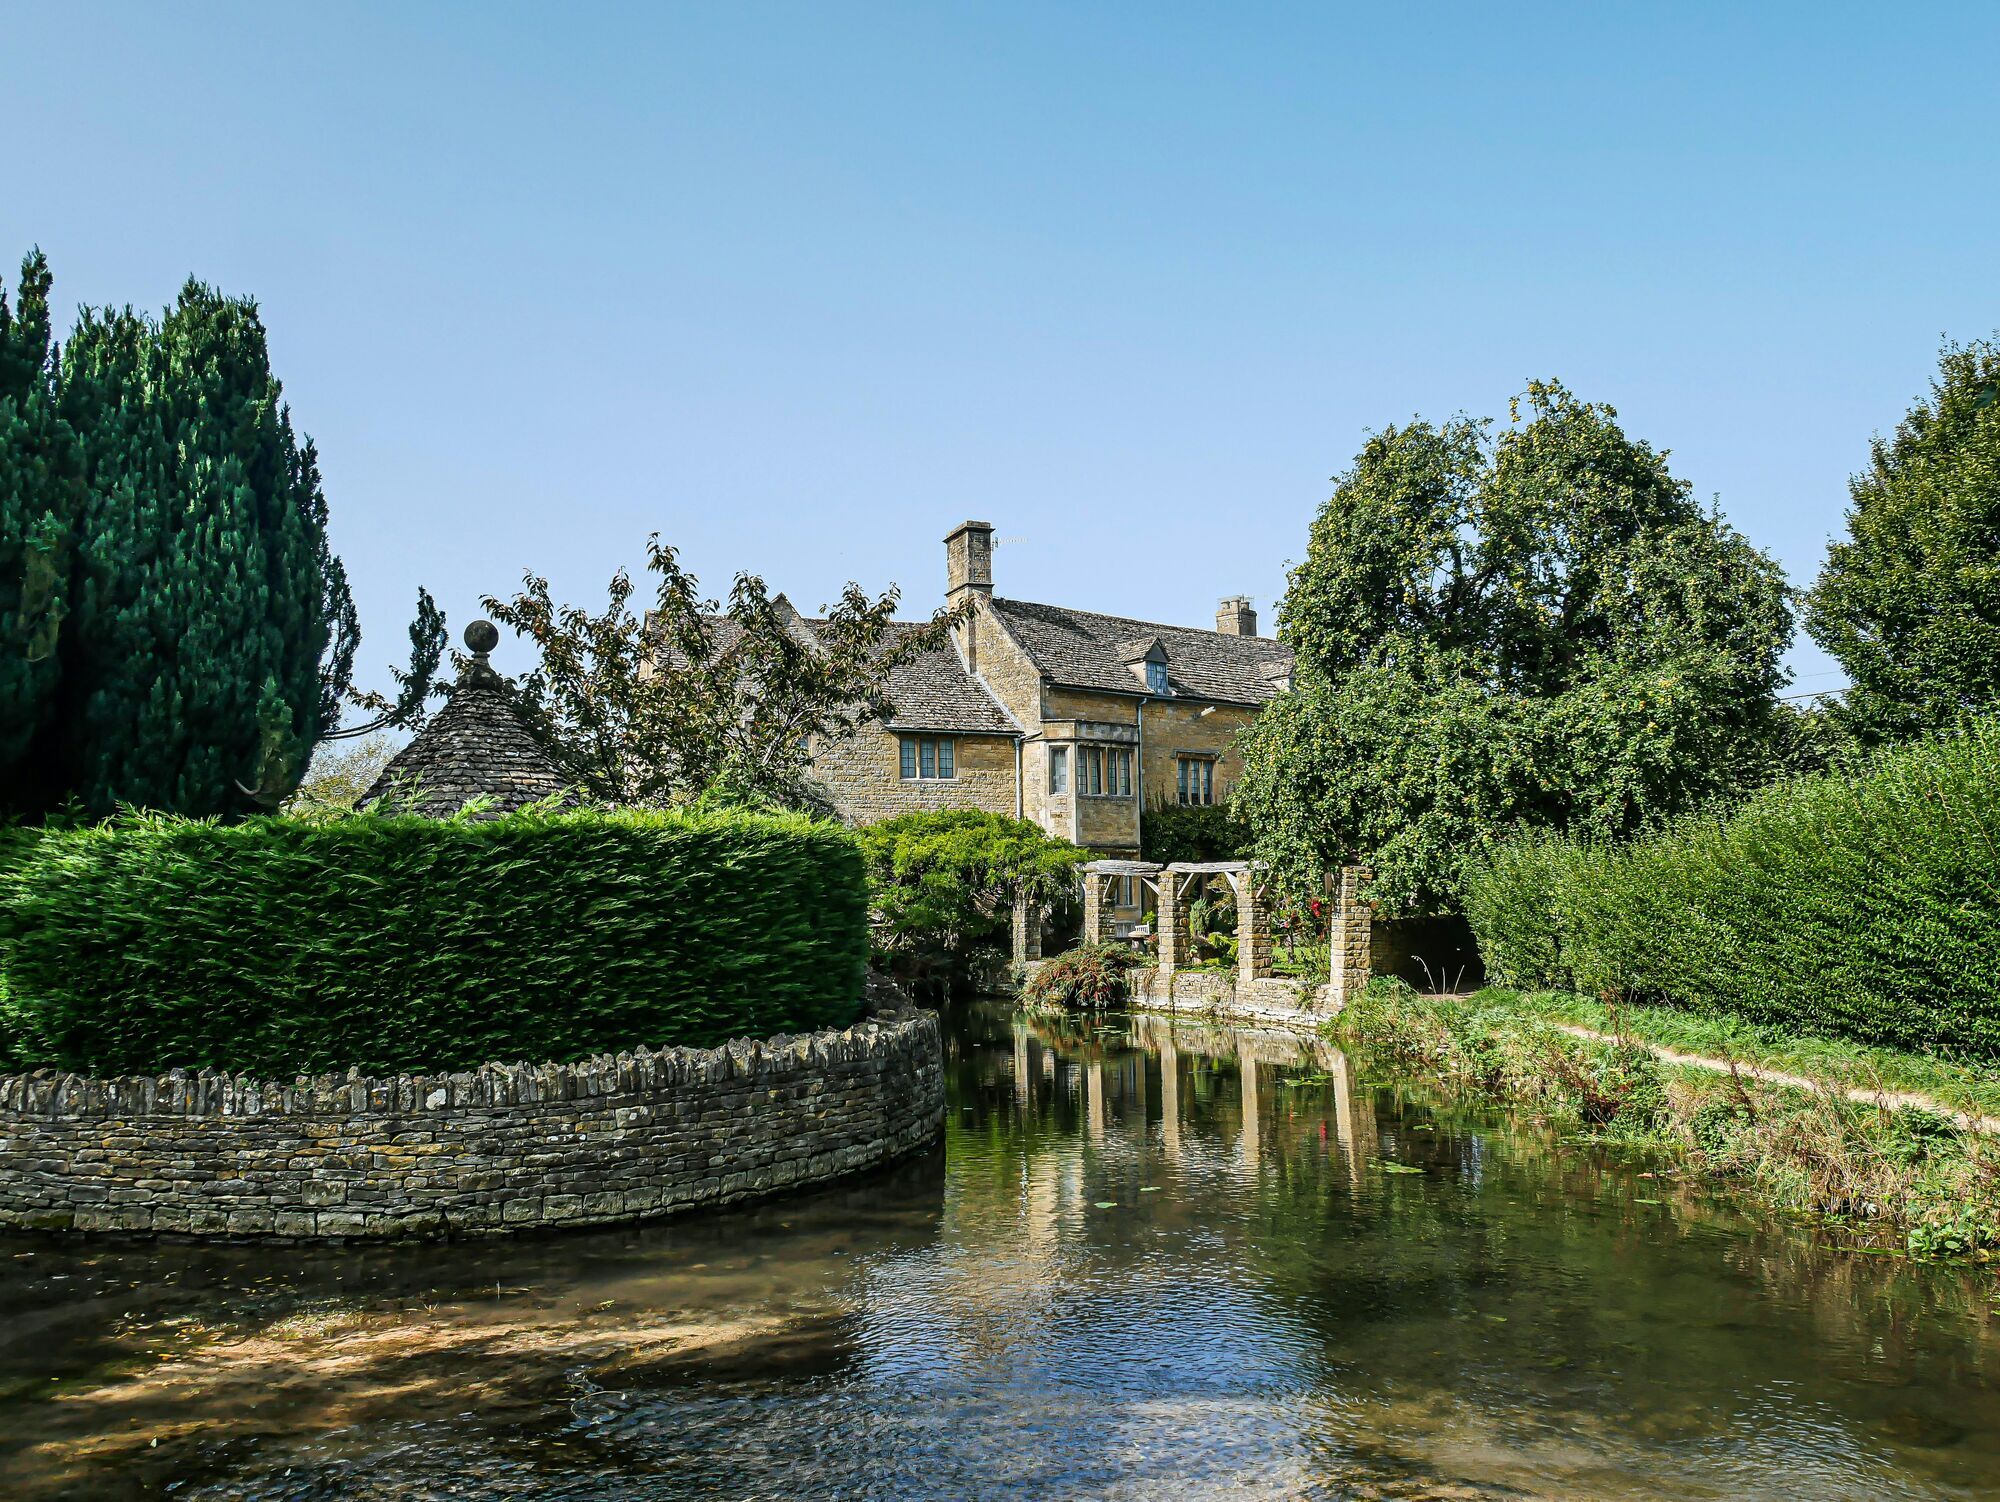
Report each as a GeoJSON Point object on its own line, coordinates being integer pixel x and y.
{"type": "Point", "coordinates": [698, 699]}
{"type": "Point", "coordinates": [1537, 627]}
{"type": "Point", "coordinates": [175, 631]}
{"type": "Point", "coordinates": [1909, 601]}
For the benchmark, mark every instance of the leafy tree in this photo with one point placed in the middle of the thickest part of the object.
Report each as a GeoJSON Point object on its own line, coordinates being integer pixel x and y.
{"type": "Point", "coordinates": [187, 628]}
{"type": "Point", "coordinates": [341, 772]}
{"type": "Point", "coordinates": [1540, 628]}
{"type": "Point", "coordinates": [942, 884]}
{"type": "Point", "coordinates": [697, 700]}
{"type": "Point", "coordinates": [1909, 603]}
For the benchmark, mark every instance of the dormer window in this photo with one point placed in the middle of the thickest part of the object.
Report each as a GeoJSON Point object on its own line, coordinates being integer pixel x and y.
{"type": "Point", "coordinates": [1147, 659]}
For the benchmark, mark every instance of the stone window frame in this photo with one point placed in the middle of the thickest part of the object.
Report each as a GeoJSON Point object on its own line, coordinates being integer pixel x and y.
{"type": "Point", "coordinates": [927, 758]}
{"type": "Point", "coordinates": [1194, 778]}
{"type": "Point", "coordinates": [1103, 770]}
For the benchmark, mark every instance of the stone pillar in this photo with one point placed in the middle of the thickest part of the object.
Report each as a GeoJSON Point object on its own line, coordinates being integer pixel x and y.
{"type": "Point", "coordinates": [1353, 931]}
{"type": "Point", "coordinates": [1171, 924]}
{"type": "Point", "coordinates": [1253, 1119]}
{"type": "Point", "coordinates": [1170, 1098]}
{"type": "Point", "coordinates": [1253, 928]}
{"type": "Point", "coordinates": [1096, 911]}
{"type": "Point", "coordinates": [1027, 930]}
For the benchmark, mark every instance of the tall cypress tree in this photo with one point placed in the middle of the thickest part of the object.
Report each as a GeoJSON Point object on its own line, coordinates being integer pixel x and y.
{"type": "Point", "coordinates": [41, 492]}
{"type": "Point", "coordinates": [190, 634]}
{"type": "Point", "coordinates": [206, 596]}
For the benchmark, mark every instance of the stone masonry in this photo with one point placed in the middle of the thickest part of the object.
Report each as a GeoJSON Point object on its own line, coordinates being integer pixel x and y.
{"type": "Point", "coordinates": [501, 1148]}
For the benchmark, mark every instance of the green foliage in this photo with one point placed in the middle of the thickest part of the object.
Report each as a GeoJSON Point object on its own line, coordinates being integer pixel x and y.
{"type": "Point", "coordinates": [1539, 630]}
{"type": "Point", "coordinates": [1909, 602]}
{"type": "Point", "coordinates": [41, 493]}
{"type": "Point", "coordinates": [1811, 1150]}
{"type": "Point", "coordinates": [1862, 904]}
{"type": "Point", "coordinates": [1091, 975]}
{"type": "Point", "coordinates": [282, 946]}
{"type": "Point", "coordinates": [175, 632]}
{"type": "Point", "coordinates": [692, 699]}
{"type": "Point", "coordinates": [943, 884]}
{"type": "Point", "coordinates": [341, 772]}
{"type": "Point", "coordinates": [1171, 832]}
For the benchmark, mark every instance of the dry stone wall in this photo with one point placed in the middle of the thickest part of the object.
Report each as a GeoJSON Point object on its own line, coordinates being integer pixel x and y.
{"type": "Point", "coordinates": [501, 1148]}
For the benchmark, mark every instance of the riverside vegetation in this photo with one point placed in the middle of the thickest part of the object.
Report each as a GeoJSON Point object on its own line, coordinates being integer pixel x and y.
{"type": "Point", "coordinates": [1910, 1176]}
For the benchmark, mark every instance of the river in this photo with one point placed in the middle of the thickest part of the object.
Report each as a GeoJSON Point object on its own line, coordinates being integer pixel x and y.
{"type": "Point", "coordinates": [1149, 1261]}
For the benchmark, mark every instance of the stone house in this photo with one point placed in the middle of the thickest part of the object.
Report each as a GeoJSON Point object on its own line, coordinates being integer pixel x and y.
{"type": "Point", "coordinates": [1070, 718]}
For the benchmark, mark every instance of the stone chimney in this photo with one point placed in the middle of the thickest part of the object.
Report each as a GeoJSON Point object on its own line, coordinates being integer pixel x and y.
{"type": "Point", "coordinates": [968, 572]}
{"type": "Point", "coordinates": [1234, 617]}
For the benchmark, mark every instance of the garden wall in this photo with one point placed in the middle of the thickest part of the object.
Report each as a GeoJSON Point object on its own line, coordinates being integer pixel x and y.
{"type": "Point", "coordinates": [618, 1137]}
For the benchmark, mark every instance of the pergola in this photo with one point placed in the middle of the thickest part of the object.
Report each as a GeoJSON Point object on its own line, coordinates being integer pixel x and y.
{"type": "Point", "coordinates": [1175, 887]}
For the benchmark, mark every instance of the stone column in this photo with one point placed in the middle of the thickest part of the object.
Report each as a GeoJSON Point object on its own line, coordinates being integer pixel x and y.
{"type": "Point", "coordinates": [1171, 924]}
{"type": "Point", "coordinates": [1253, 1120]}
{"type": "Point", "coordinates": [1170, 1098]}
{"type": "Point", "coordinates": [1253, 928]}
{"type": "Point", "coordinates": [1027, 930]}
{"type": "Point", "coordinates": [1096, 912]}
{"type": "Point", "coordinates": [1353, 932]}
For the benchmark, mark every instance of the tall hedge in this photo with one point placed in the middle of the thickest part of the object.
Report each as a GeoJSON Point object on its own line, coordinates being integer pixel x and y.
{"type": "Point", "coordinates": [1863, 905]}
{"type": "Point", "coordinates": [281, 946]}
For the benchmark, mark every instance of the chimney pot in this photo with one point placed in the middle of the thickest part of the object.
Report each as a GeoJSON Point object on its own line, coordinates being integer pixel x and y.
{"type": "Point", "coordinates": [1234, 617]}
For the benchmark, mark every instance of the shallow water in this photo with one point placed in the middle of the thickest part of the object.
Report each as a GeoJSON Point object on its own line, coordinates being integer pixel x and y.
{"type": "Point", "coordinates": [1166, 1262]}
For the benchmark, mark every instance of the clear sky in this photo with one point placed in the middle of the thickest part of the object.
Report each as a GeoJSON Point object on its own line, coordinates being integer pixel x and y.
{"type": "Point", "coordinates": [801, 286]}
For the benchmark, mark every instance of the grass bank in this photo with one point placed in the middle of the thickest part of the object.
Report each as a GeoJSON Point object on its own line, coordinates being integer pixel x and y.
{"type": "Point", "coordinates": [1909, 1177]}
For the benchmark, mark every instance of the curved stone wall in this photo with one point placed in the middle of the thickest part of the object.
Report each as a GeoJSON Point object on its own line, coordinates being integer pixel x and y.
{"type": "Point", "coordinates": [505, 1147]}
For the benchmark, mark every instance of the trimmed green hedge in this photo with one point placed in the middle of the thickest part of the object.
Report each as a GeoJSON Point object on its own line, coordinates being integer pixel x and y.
{"type": "Point", "coordinates": [1863, 905]}
{"type": "Point", "coordinates": [282, 946]}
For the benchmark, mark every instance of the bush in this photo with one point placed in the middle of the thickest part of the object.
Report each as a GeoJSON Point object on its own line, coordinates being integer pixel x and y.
{"type": "Point", "coordinates": [1863, 905]}
{"type": "Point", "coordinates": [942, 887]}
{"type": "Point", "coordinates": [283, 946]}
{"type": "Point", "coordinates": [1170, 832]}
{"type": "Point", "coordinates": [1091, 975]}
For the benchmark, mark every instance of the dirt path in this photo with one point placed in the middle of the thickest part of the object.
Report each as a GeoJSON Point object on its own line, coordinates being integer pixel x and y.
{"type": "Point", "coordinates": [1894, 1100]}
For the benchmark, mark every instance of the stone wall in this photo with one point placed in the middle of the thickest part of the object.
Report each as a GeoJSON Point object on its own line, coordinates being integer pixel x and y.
{"type": "Point", "coordinates": [1223, 997]}
{"type": "Point", "coordinates": [504, 1147]}
{"type": "Point", "coordinates": [862, 774]}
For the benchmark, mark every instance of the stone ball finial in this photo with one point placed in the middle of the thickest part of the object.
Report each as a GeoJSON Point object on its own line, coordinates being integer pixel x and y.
{"type": "Point", "coordinates": [482, 637]}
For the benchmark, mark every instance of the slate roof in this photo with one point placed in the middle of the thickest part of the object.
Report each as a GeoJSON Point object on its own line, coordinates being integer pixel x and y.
{"type": "Point", "coordinates": [933, 691]}
{"type": "Point", "coordinates": [1081, 649]}
{"type": "Point", "coordinates": [475, 747]}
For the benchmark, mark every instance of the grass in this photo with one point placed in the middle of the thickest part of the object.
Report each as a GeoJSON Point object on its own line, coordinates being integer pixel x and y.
{"type": "Point", "coordinates": [1906, 1177]}
{"type": "Point", "coordinates": [1970, 1088]}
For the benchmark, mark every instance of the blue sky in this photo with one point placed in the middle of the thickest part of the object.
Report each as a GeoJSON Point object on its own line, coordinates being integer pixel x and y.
{"type": "Point", "coordinates": [800, 287]}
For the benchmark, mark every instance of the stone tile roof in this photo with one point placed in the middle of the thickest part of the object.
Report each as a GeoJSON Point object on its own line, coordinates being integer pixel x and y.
{"type": "Point", "coordinates": [475, 747]}
{"type": "Point", "coordinates": [1081, 649]}
{"type": "Point", "coordinates": [933, 691]}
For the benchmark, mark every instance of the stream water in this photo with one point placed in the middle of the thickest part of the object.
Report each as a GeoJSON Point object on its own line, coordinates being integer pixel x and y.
{"type": "Point", "coordinates": [1155, 1261]}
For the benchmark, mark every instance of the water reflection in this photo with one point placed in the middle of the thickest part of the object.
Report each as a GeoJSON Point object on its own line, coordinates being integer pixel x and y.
{"type": "Point", "coordinates": [1152, 1259]}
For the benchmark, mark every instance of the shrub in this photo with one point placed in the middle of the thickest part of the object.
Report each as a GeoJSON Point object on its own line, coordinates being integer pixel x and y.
{"type": "Point", "coordinates": [1091, 975]}
{"type": "Point", "coordinates": [1170, 832]}
{"type": "Point", "coordinates": [942, 886]}
{"type": "Point", "coordinates": [1862, 904]}
{"type": "Point", "coordinates": [282, 946]}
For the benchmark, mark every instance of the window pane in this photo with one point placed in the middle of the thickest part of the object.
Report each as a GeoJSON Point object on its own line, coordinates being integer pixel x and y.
{"type": "Point", "coordinates": [909, 757]}
{"type": "Point", "coordinates": [947, 758]}
{"type": "Point", "coordinates": [1058, 769]}
{"type": "Point", "coordinates": [1125, 774]}
{"type": "Point", "coordinates": [928, 749]}
{"type": "Point", "coordinates": [1180, 775]}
